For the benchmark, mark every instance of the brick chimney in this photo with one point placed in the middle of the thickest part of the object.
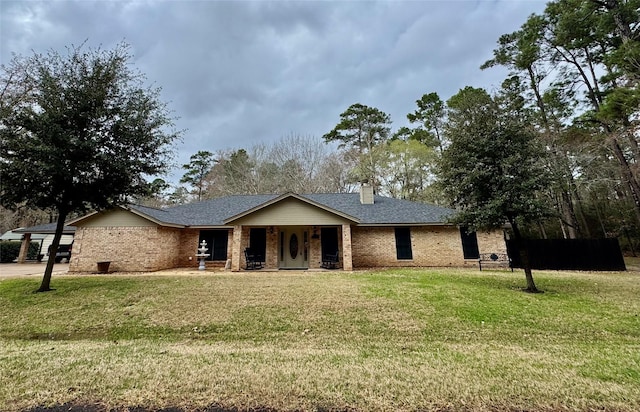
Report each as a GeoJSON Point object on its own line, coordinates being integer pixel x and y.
{"type": "Point", "coordinates": [366, 194]}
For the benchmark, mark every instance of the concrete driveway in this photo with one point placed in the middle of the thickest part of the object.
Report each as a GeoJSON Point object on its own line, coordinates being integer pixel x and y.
{"type": "Point", "coordinates": [9, 270]}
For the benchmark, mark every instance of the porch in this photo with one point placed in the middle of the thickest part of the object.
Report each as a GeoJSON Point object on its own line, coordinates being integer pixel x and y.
{"type": "Point", "coordinates": [284, 247]}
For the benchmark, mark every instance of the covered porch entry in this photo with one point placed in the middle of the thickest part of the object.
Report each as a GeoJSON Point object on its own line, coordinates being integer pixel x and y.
{"type": "Point", "coordinates": [290, 247]}
{"type": "Point", "coordinates": [291, 233]}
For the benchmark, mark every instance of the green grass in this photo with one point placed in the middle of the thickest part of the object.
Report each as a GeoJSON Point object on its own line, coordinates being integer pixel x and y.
{"type": "Point", "coordinates": [372, 341]}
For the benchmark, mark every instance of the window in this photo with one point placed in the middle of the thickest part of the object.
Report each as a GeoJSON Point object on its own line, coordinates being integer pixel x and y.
{"type": "Point", "coordinates": [258, 242]}
{"type": "Point", "coordinates": [216, 243]}
{"type": "Point", "coordinates": [329, 240]}
{"type": "Point", "coordinates": [469, 244]}
{"type": "Point", "coordinates": [403, 243]}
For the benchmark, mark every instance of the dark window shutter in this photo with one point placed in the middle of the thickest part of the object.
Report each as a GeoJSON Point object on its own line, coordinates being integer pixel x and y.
{"type": "Point", "coordinates": [403, 243]}
{"type": "Point", "coordinates": [469, 244]}
{"type": "Point", "coordinates": [217, 241]}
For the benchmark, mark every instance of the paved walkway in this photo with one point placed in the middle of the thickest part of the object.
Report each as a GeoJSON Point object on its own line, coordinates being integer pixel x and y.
{"type": "Point", "coordinates": [9, 270]}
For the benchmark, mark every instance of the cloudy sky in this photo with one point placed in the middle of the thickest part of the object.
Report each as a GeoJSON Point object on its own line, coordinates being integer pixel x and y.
{"type": "Point", "coordinates": [238, 73]}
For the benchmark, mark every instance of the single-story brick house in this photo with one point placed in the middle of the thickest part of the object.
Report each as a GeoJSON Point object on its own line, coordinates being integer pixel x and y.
{"type": "Point", "coordinates": [288, 231]}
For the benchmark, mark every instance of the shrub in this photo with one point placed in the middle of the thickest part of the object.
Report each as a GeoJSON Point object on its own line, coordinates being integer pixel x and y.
{"type": "Point", "coordinates": [9, 250]}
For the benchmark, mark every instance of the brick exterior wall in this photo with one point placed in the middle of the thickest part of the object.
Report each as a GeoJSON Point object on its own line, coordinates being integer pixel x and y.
{"type": "Point", "coordinates": [155, 248]}
{"type": "Point", "coordinates": [431, 246]}
{"type": "Point", "coordinates": [315, 250]}
{"type": "Point", "coordinates": [188, 248]}
{"type": "Point", "coordinates": [491, 242]}
{"type": "Point", "coordinates": [347, 244]}
{"type": "Point", "coordinates": [271, 256]}
{"type": "Point", "coordinates": [137, 249]}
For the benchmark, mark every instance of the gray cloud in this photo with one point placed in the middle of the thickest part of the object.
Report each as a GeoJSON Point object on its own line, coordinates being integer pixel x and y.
{"type": "Point", "coordinates": [237, 73]}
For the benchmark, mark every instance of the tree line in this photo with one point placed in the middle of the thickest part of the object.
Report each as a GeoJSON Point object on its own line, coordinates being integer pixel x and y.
{"type": "Point", "coordinates": [572, 86]}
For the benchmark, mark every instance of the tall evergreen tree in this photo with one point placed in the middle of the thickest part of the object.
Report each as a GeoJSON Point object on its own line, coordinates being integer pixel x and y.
{"type": "Point", "coordinates": [199, 166]}
{"type": "Point", "coordinates": [363, 128]}
{"type": "Point", "coordinates": [430, 116]}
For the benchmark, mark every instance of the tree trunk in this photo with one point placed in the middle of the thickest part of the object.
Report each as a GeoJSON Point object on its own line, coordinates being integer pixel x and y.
{"type": "Point", "coordinates": [45, 286]}
{"type": "Point", "coordinates": [580, 208]}
{"type": "Point", "coordinates": [543, 232]}
{"type": "Point", "coordinates": [627, 174]}
{"type": "Point", "coordinates": [569, 214]}
{"type": "Point", "coordinates": [524, 257]}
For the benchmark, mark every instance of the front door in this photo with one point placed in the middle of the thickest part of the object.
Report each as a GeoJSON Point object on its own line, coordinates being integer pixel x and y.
{"type": "Point", "coordinates": [294, 248]}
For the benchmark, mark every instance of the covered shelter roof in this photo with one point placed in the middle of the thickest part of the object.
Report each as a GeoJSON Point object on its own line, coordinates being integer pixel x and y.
{"type": "Point", "coordinates": [46, 229]}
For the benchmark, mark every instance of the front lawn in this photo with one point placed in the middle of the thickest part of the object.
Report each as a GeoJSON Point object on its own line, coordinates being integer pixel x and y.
{"type": "Point", "coordinates": [402, 340]}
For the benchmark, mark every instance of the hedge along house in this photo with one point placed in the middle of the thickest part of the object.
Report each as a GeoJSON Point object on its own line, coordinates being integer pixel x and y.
{"type": "Point", "coordinates": [288, 231]}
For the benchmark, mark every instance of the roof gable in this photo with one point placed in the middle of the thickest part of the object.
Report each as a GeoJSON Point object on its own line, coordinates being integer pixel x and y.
{"type": "Point", "coordinates": [116, 217]}
{"type": "Point", "coordinates": [291, 209]}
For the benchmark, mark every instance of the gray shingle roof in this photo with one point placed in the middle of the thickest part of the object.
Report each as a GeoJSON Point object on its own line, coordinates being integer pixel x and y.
{"type": "Point", "coordinates": [385, 210]}
{"type": "Point", "coordinates": [208, 212]}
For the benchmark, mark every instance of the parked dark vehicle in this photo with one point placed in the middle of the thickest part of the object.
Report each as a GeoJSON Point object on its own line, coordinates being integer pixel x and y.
{"type": "Point", "coordinates": [64, 252]}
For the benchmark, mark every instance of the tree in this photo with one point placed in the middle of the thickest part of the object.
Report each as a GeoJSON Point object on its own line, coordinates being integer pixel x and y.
{"type": "Point", "coordinates": [239, 170]}
{"type": "Point", "coordinates": [21, 216]}
{"type": "Point", "coordinates": [294, 163]}
{"type": "Point", "coordinates": [584, 39]}
{"type": "Point", "coordinates": [179, 196]}
{"type": "Point", "coordinates": [199, 166]}
{"type": "Point", "coordinates": [579, 62]}
{"type": "Point", "coordinates": [79, 131]}
{"type": "Point", "coordinates": [522, 52]}
{"type": "Point", "coordinates": [622, 17]}
{"type": "Point", "coordinates": [335, 173]}
{"type": "Point", "coordinates": [491, 169]}
{"type": "Point", "coordinates": [158, 194]}
{"type": "Point", "coordinates": [362, 127]}
{"type": "Point", "coordinates": [430, 115]}
{"type": "Point", "coordinates": [406, 169]}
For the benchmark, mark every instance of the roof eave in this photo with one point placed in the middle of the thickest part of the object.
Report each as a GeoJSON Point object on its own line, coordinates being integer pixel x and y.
{"type": "Point", "coordinates": [399, 224]}
{"type": "Point", "coordinates": [65, 231]}
{"type": "Point", "coordinates": [210, 227]}
{"type": "Point", "coordinates": [135, 212]}
{"type": "Point", "coordinates": [154, 220]}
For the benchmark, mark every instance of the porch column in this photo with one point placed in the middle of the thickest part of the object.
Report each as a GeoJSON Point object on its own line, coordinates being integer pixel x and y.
{"type": "Point", "coordinates": [347, 259]}
{"type": "Point", "coordinates": [24, 248]}
{"type": "Point", "coordinates": [236, 251]}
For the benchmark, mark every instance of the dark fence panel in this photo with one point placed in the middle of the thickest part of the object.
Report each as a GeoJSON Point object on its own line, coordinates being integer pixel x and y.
{"type": "Point", "coordinates": [569, 254]}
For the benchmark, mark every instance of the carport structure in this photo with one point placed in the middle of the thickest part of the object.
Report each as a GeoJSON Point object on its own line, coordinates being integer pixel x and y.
{"type": "Point", "coordinates": [46, 229]}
